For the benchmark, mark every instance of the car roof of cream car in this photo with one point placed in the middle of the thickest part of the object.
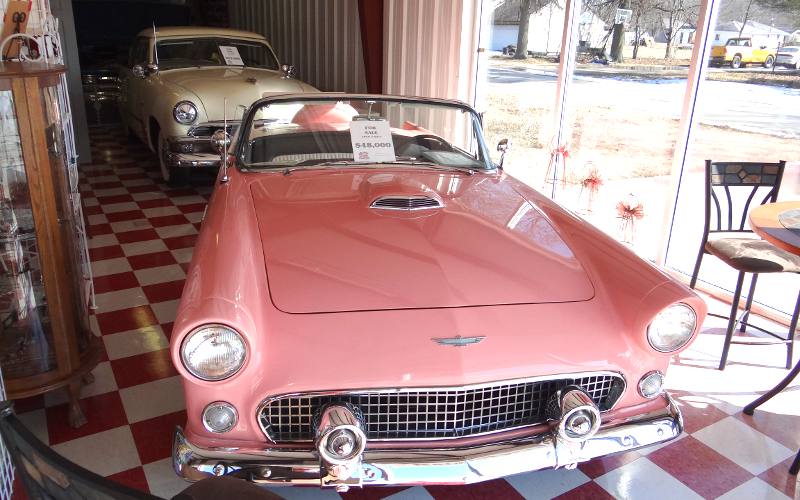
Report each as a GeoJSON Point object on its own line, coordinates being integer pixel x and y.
{"type": "Point", "coordinates": [198, 31]}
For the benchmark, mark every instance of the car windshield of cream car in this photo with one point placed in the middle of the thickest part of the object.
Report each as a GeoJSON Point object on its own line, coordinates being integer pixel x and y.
{"type": "Point", "coordinates": [314, 133]}
{"type": "Point", "coordinates": [195, 52]}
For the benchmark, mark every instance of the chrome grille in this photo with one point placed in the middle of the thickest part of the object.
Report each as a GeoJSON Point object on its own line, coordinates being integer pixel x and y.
{"type": "Point", "coordinates": [442, 413]}
{"type": "Point", "coordinates": [405, 203]}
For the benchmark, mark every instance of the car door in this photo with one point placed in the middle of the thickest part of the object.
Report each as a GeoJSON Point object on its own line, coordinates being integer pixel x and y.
{"type": "Point", "coordinates": [131, 87]}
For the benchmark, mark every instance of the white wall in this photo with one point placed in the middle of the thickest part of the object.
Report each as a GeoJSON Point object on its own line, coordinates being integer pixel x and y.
{"type": "Point", "coordinates": [322, 38]}
{"type": "Point", "coordinates": [504, 35]}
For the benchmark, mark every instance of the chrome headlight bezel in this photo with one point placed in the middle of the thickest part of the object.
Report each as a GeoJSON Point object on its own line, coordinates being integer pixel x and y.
{"type": "Point", "coordinates": [195, 340]}
{"type": "Point", "coordinates": [662, 320]}
{"type": "Point", "coordinates": [185, 112]}
{"type": "Point", "coordinates": [647, 378]}
{"type": "Point", "coordinates": [221, 405]}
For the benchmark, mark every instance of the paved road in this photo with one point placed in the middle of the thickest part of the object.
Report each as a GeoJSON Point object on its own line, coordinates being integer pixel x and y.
{"type": "Point", "coordinates": [758, 108]}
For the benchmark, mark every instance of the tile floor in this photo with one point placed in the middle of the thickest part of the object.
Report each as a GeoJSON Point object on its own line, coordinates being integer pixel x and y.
{"type": "Point", "coordinates": [142, 239]}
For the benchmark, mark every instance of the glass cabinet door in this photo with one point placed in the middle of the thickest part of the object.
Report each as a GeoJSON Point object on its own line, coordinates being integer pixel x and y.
{"type": "Point", "coordinates": [67, 201]}
{"type": "Point", "coordinates": [26, 338]}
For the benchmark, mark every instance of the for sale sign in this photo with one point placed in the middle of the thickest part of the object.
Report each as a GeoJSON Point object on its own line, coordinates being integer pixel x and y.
{"type": "Point", "coordinates": [372, 141]}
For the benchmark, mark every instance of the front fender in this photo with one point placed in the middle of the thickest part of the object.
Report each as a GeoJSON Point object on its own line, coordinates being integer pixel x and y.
{"type": "Point", "coordinates": [160, 99]}
{"type": "Point", "coordinates": [636, 290]}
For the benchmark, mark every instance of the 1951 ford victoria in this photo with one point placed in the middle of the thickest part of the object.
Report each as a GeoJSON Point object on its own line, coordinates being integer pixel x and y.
{"type": "Point", "coordinates": [373, 302]}
{"type": "Point", "coordinates": [179, 77]}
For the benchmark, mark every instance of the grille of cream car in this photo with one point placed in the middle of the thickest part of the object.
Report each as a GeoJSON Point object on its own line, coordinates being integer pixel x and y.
{"type": "Point", "coordinates": [437, 413]}
{"type": "Point", "coordinates": [405, 203]}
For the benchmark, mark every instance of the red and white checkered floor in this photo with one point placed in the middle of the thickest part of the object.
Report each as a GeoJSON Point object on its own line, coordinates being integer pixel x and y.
{"type": "Point", "coordinates": [142, 238]}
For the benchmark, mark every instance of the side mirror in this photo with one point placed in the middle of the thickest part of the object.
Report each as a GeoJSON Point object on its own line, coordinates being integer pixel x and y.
{"type": "Point", "coordinates": [138, 71]}
{"type": "Point", "coordinates": [503, 146]}
{"type": "Point", "coordinates": [288, 70]}
{"type": "Point", "coordinates": [220, 141]}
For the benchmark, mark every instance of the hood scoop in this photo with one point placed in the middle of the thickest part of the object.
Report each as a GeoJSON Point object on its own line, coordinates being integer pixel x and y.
{"type": "Point", "coordinates": [408, 203]}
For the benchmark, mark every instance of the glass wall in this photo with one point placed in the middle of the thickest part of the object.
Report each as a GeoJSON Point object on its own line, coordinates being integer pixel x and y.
{"type": "Point", "coordinates": [517, 95]}
{"type": "Point", "coordinates": [624, 111]}
{"type": "Point", "coordinates": [746, 114]}
{"type": "Point", "coordinates": [621, 124]}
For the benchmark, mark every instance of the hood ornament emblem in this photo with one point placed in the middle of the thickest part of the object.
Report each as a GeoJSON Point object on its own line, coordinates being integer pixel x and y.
{"type": "Point", "coordinates": [458, 340]}
{"type": "Point", "coordinates": [251, 80]}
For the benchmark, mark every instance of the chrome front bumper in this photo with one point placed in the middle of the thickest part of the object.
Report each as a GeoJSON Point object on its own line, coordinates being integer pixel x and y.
{"type": "Point", "coordinates": [193, 160]}
{"type": "Point", "coordinates": [431, 466]}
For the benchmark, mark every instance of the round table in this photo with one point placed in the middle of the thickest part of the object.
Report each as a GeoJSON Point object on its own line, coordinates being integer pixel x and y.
{"type": "Point", "coordinates": [769, 221]}
{"type": "Point", "coordinates": [778, 223]}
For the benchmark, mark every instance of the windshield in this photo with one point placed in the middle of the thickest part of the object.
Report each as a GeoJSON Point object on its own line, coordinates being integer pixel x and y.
{"type": "Point", "coordinates": [790, 49]}
{"type": "Point", "coordinates": [184, 53]}
{"type": "Point", "coordinates": [345, 132]}
{"type": "Point", "coordinates": [742, 42]}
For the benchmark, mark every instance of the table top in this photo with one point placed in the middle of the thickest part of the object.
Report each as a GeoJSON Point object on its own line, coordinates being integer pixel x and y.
{"type": "Point", "coordinates": [778, 223]}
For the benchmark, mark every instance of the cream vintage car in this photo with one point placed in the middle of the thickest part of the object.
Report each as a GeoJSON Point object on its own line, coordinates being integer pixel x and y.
{"type": "Point", "coordinates": [177, 78]}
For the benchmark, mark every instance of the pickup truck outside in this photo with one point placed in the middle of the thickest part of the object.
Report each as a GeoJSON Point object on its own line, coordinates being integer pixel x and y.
{"type": "Point", "coordinates": [738, 52]}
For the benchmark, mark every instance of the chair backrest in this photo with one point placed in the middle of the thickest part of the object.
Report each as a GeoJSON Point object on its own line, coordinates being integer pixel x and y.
{"type": "Point", "coordinates": [731, 187]}
{"type": "Point", "coordinates": [46, 474]}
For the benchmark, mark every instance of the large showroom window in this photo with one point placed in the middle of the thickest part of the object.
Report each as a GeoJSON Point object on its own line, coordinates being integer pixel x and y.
{"type": "Point", "coordinates": [614, 112]}
{"type": "Point", "coordinates": [745, 114]}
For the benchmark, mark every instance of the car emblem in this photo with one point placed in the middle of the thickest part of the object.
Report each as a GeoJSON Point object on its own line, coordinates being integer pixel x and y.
{"type": "Point", "coordinates": [458, 340]}
{"type": "Point", "coordinates": [252, 80]}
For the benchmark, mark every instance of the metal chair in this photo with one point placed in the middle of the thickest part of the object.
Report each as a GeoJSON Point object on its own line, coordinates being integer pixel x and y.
{"type": "Point", "coordinates": [738, 185]}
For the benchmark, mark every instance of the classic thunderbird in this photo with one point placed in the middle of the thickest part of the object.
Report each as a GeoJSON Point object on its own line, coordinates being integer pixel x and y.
{"type": "Point", "coordinates": [178, 77]}
{"type": "Point", "coordinates": [372, 301]}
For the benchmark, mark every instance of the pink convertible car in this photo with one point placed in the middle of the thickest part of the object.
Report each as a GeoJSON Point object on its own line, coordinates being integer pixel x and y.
{"type": "Point", "coordinates": [372, 301]}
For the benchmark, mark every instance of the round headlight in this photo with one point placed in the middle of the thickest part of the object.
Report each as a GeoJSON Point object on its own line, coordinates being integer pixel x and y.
{"type": "Point", "coordinates": [213, 352]}
{"type": "Point", "coordinates": [185, 112]}
{"type": "Point", "coordinates": [220, 417]}
{"type": "Point", "coordinates": [672, 328]}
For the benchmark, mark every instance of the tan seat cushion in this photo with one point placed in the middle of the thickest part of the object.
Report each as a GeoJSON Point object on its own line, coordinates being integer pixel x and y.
{"type": "Point", "coordinates": [754, 256]}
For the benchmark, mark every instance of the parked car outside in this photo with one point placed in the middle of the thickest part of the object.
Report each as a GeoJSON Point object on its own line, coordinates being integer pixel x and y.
{"type": "Point", "coordinates": [372, 301]}
{"type": "Point", "coordinates": [177, 77]}
{"type": "Point", "coordinates": [788, 57]}
{"type": "Point", "coordinates": [739, 52]}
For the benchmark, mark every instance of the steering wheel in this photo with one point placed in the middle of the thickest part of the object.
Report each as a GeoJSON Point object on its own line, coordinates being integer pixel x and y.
{"type": "Point", "coordinates": [432, 142]}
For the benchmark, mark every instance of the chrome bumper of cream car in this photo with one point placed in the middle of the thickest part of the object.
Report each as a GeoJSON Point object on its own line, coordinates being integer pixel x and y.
{"type": "Point", "coordinates": [430, 466]}
{"type": "Point", "coordinates": [193, 160]}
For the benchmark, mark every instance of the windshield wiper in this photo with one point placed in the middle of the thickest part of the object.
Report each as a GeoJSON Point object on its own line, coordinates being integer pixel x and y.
{"type": "Point", "coordinates": [430, 164]}
{"type": "Point", "coordinates": [324, 164]}
{"type": "Point", "coordinates": [414, 163]}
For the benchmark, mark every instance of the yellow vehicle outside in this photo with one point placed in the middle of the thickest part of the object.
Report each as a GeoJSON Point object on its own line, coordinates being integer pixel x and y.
{"type": "Point", "coordinates": [738, 52]}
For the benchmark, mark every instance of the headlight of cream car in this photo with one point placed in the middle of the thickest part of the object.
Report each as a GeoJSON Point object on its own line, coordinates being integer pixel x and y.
{"type": "Point", "coordinates": [672, 328]}
{"type": "Point", "coordinates": [213, 352]}
{"type": "Point", "coordinates": [185, 112]}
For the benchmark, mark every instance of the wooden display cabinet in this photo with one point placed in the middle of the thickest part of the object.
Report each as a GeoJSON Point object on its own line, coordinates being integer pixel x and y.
{"type": "Point", "coordinates": [45, 339]}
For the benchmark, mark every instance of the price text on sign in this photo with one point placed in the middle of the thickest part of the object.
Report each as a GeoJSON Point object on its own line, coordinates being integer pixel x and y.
{"type": "Point", "coordinates": [231, 55]}
{"type": "Point", "coordinates": [372, 141]}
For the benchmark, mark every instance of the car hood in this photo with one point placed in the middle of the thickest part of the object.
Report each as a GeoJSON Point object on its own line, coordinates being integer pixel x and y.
{"type": "Point", "coordinates": [240, 86]}
{"type": "Point", "coordinates": [327, 250]}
